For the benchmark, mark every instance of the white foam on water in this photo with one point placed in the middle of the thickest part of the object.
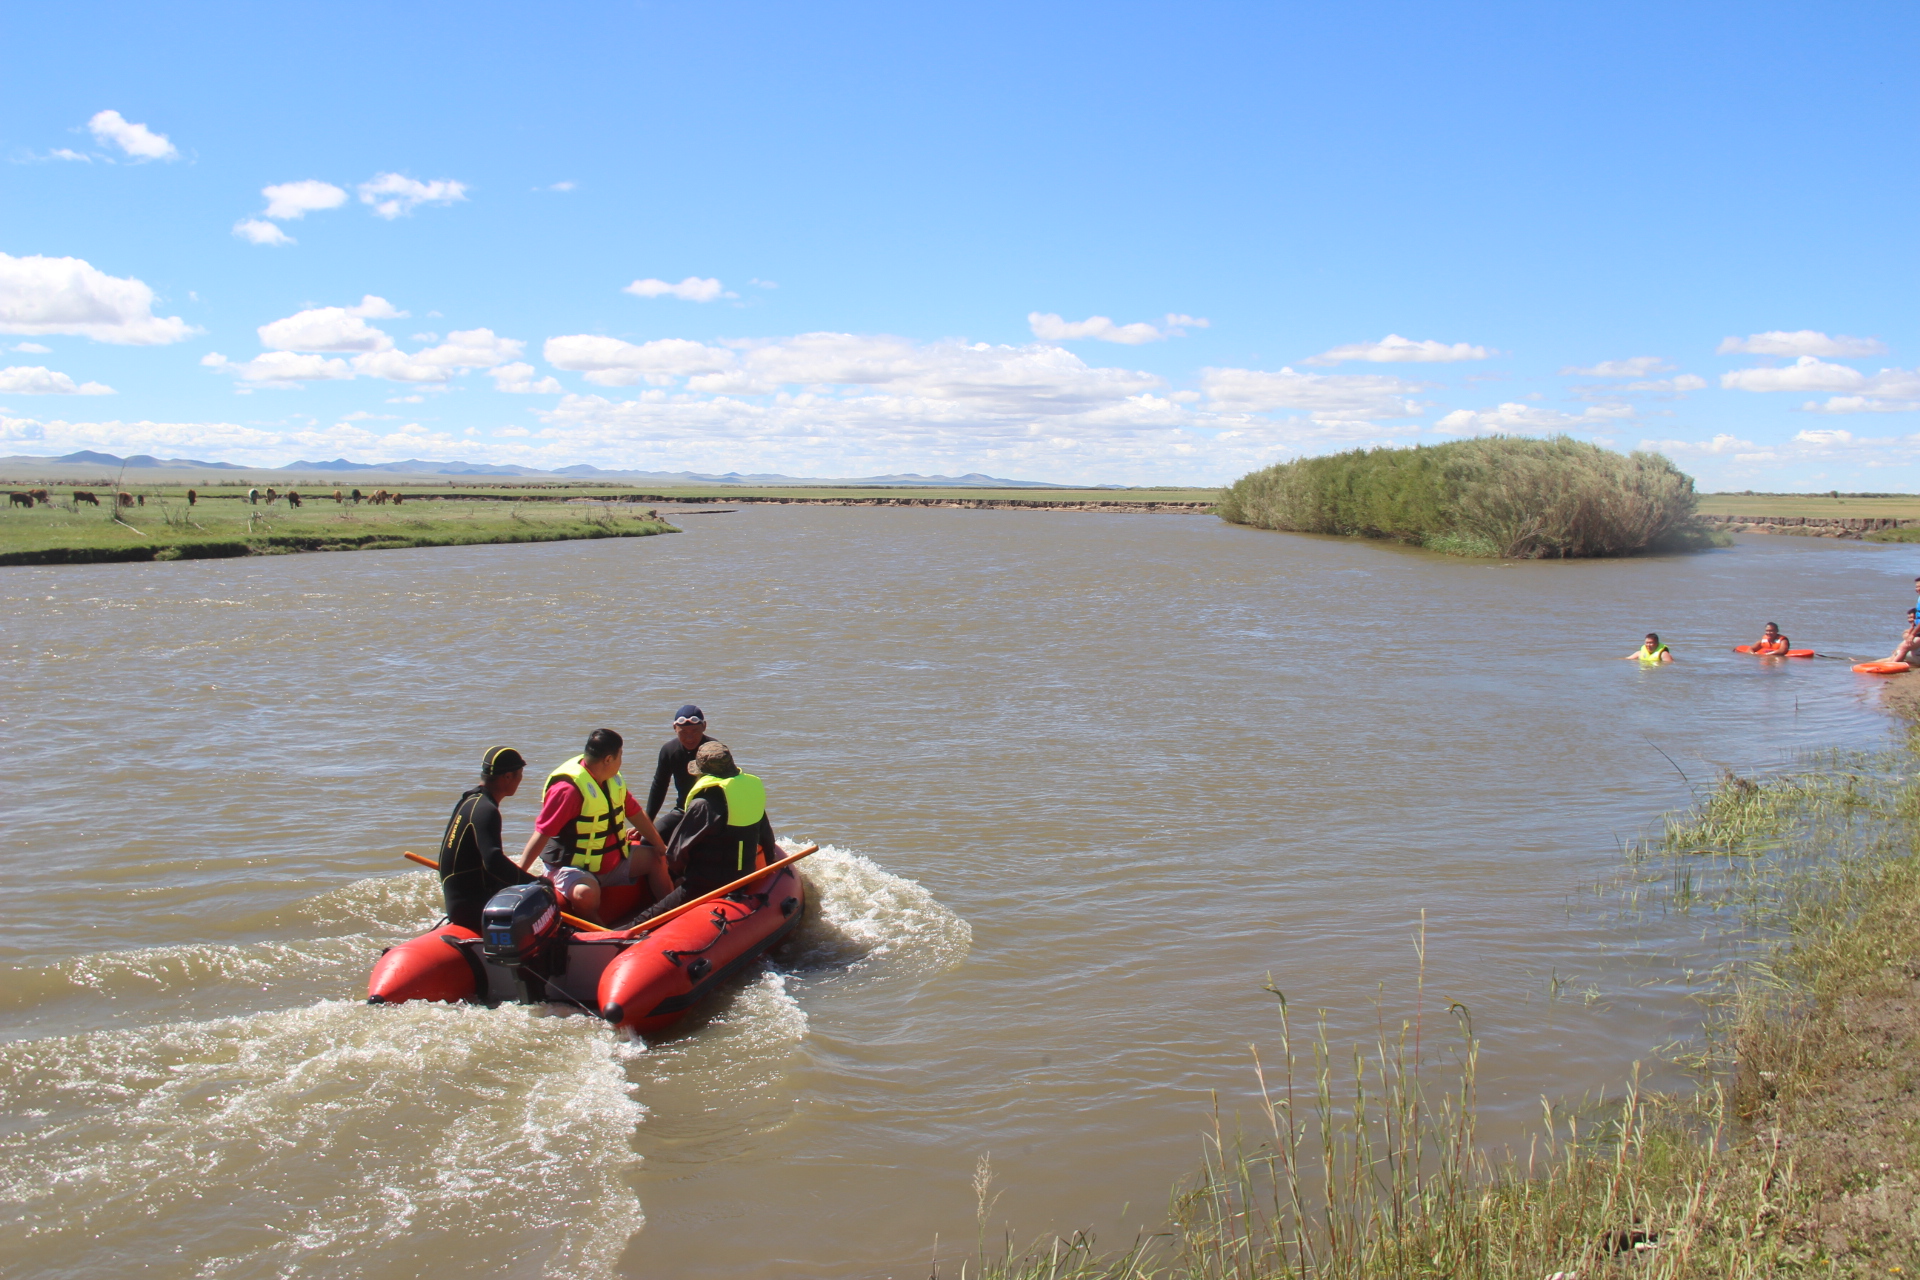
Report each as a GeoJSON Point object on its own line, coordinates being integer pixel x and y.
{"type": "Point", "coordinates": [859, 913]}
{"type": "Point", "coordinates": [327, 1140]}
{"type": "Point", "coordinates": [396, 904]}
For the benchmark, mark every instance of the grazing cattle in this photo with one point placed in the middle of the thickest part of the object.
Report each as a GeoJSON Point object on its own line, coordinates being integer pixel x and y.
{"type": "Point", "coordinates": [397, 498]}
{"type": "Point", "coordinates": [337, 497]}
{"type": "Point", "coordinates": [142, 499]}
{"type": "Point", "coordinates": [20, 499]}
{"type": "Point", "coordinates": [40, 496]}
{"type": "Point", "coordinates": [126, 499]}
{"type": "Point", "coordinates": [379, 498]}
{"type": "Point", "coordinates": [253, 496]}
{"type": "Point", "coordinates": [272, 497]}
{"type": "Point", "coordinates": [293, 499]}
{"type": "Point", "coordinates": [81, 495]}
{"type": "Point", "coordinates": [356, 495]}
{"type": "Point", "coordinates": [192, 497]}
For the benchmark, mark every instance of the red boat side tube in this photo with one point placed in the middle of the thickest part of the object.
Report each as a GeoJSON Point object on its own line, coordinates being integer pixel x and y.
{"type": "Point", "coordinates": [442, 965]}
{"type": "Point", "coordinates": [651, 985]}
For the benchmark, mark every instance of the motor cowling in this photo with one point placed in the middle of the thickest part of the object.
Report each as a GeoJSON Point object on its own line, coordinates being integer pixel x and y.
{"type": "Point", "coordinates": [518, 923]}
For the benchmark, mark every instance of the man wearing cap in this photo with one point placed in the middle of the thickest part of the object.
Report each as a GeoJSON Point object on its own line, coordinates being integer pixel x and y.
{"type": "Point", "coordinates": [689, 731]}
{"type": "Point", "coordinates": [725, 829]}
{"type": "Point", "coordinates": [473, 866]}
{"type": "Point", "coordinates": [581, 833]}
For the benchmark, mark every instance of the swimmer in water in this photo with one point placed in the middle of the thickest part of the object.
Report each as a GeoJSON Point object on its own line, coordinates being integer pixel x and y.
{"type": "Point", "coordinates": [1652, 651]}
{"type": "Point", "coordinates": [1771, 641]}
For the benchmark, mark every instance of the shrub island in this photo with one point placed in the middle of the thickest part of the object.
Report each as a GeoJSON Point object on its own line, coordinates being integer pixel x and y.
{"type": "Point", "coordinates": [1506, 496]}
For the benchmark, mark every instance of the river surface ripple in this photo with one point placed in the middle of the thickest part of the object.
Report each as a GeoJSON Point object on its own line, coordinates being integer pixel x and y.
{"type": "Point", "coordinates": [1084, 782]}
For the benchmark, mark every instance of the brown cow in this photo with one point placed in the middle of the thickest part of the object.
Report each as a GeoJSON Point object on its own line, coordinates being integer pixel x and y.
{"type": "Point", "coordinates": [142, 499]}
{"type": "Point", "coordinates": [126, 499]}
{"type": "Point", "coordinates": [253, 496]}
{"type": "Point", "coordinates": [398, 498]}
{"type": "Point", "coordinates": [192, 497]}
{"type": "Point", "coordinates": [379, 498]}
{"type": "Point", "coordinates": [41, 496]}
{"type": "Point", "coordinates": [271, 496]}
{"type": "Point", "coordinates": [81, 495]}
{"type": "Point", "coordinates": [337, 497]}
{"type": "Point", "coordinates": [20, 499]}
{"type": "Point", "coordinates": [293, 499]}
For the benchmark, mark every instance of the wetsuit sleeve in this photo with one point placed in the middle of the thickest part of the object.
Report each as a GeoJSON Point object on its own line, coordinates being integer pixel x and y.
{"type": "Point", "coordinates": [500, 869]}
{"type": "Point", "coordinates": [662, 775]}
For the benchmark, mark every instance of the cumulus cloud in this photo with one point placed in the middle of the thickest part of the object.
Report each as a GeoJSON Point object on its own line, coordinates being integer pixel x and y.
{"type": "Point", "coordinates": [1722, 445]}
{"type": "Point", "coordinates": [110, 128]}
{"type": "Point", "coordinates": [1859, 404]}
{"type": "Point", "coordinates": [1807, 373]}
{"type": "Point", "coordinates": [518, 378]}
{"type": "Point", "coordinates": [1394, 349]}
{"type": "Point", "coordinates": [330, 329]}
{"type": "Point", "coordinates": [32, 348]}
{"type": "Point", "coordinates": [281, 369]}
{"type": "Point", "coordinates": [67, 153]}
{"type": "Point", "coordinates": [1324, 396]}
{"type": "Point", "coordinates": [692, 289]}
{"type": "Point", "coordinates": [1637, 367]}
{"type": "Point", "coordinates": [260, 231]}
{"type": "Point", "coordinates": [1801, 342]}
{"type": "Point", "coordinates": [1517, 418]}
{"type": "Point", "coordinates": [69, 295]}
{"type": "Point", "coordinates": [1051, 328]}
{"type": "Point", "coordinates": [394, 195]}
{"type": "Point", "coordinates": [463, 350]}
{"type": "Point", "coordinates": [293, 200]}
{"type": "Point", "coordinates": [609, 362]}
{"type": "Point", "coordinates": [37, 381]}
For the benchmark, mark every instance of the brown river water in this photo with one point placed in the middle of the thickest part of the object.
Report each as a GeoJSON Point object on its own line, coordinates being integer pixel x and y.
{"type": "Point", "coordinates": [1081, 781]}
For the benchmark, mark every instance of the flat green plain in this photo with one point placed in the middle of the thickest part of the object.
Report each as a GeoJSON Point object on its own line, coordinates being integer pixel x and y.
{"type": "Point", "coordinates": [167, 528]}
{"type": "Point", "coordinates": [1796, 505]}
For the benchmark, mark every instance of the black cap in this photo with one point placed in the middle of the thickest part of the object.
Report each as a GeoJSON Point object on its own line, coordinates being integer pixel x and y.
{"type": "Point", "coordinates": [689, 714]}
{"type": "Point", "coordinates": [500, 761]}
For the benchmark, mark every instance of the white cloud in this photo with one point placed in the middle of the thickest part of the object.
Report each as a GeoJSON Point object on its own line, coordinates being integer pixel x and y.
{"type": "Point", "coordinates": [1805, 374]}
{"type": "Point", "coordinates": [1394, 349]}
{"type": "Point", "coordinates": [609, 362]}
{"type": "Point", "coordinates": [1685, 382]}
{"type": "Point", "coordinates": [32, 348]}
{"type": "Point", "coordinates": [69, 295]}
{"type": "Point", "coordinates": [1801, 342]}
{"type": "Point", "coordinates": [1637, 367]}
{"type": "Point", "coordinates": [260, 231]}
{"type": "Point", "coordinates": [1052, 328]}
{"type": "Point", "coordinates": [1324, 396]}
{"type": "Point", "coordinates": [1517, 418]}
{"type": "Point", "coordinates": [764, 284]}
{"type": "Point", "coordinates": [692, 289]}
{"type": "Point", "coordinates": [393, 195]}
{"type": "Point", "coordinates": [324, 329]}
{"type": "Point", "coordinates": [1720, 446]}
{"type": "Point", "coordinates": [464, 349]}
{"type": "Point", "coordinates": [1889, 391]}
{"type": "Point", "coordinates": [281, 369]}
{"type": "Point", "coordinates": [36, 381]}
{"type": "Point", "coordinates": [65, 153]}
{"type": "Point", "coordinates": [561, 186]}
{"type": "Point", "coordinates": [1176, 321]}
{"type": "Point", "coordinates": [518, 378]}
{"type": "Point", "coordinates": [293, 200]}
{"type": "Point", "coordinates": [136, 140]}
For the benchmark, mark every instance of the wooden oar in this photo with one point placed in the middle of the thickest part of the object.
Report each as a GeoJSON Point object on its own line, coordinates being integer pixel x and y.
{"type": "Point", "coordinates": [648, 926]}
{"type": "Point", "coordinates": [575, 921]}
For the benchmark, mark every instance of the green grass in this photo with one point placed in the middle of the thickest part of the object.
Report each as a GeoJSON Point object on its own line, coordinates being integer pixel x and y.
{"type": "Point", "coordinates": [1792, 1158]}
{"type": "Point", "coordinates": [166, 528]}
{"type": "Point", "coordinates": [1811, 506]}
{"type": "Point", "coordinates": [1504, 496]}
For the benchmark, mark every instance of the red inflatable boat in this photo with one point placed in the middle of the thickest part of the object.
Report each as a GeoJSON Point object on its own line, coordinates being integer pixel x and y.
{"type": "Point", "coordinates": [645, 978]}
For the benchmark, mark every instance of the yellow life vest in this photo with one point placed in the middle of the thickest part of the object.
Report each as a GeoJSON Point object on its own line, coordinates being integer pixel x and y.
{"type": "Point", "coordinates": [746, 805]}
{"type": "Point", "coordinates": [1642, 654]}
{"type": "Point", "coordinates": [602, 810]}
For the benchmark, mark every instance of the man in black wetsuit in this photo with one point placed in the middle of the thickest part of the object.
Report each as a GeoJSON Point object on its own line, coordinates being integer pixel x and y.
{"type": "Point", "coordinates": [473, 866]}
{"type": "Point", "coordinates": [676, 755]}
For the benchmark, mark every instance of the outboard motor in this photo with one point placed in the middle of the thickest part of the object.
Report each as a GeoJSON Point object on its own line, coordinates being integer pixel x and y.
{"type": "Point", "coordinates": [517, 928]}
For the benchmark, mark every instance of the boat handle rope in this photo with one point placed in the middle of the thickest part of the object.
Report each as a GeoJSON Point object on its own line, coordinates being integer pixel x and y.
{"type": "Point", "coordinates": [720, 925]}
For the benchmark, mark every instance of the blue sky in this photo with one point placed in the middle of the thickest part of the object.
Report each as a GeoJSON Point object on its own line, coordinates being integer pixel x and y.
{"type": "Point", "coordinates": [1092, 243]}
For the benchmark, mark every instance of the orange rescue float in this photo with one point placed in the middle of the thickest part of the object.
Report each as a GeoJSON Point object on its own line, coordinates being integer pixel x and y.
{"type": "Point", "coordinates": [644, 979]}
{"type": "Point", "coordinates": [1773, 653]}
{"type": "Point", "coordinates": [1881, 668]}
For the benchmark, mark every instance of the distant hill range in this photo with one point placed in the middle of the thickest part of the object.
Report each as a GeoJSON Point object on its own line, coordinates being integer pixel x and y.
{"type": "Point", "coordinates": [91, 462]}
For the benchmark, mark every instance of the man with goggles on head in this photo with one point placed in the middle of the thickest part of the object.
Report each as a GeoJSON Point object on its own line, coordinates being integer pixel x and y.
{"type": "Point", "coordinates": [673, 765]}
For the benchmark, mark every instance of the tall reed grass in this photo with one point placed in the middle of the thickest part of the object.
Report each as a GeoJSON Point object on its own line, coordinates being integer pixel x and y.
{"type": "Point", "coordinates": [1364, 1161]}
{"type": "Point", "coordinates": [1506, 496]}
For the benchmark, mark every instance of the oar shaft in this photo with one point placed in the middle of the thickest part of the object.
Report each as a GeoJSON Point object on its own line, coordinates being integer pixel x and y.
{"type": "Point", "coordinates": [648, 926]}
{"type": "Point", "coordinates": [575, 921]}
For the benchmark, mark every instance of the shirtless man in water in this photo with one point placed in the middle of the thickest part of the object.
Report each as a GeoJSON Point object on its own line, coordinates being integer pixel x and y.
{"type": "Point", "coordinates": [1652, 651]}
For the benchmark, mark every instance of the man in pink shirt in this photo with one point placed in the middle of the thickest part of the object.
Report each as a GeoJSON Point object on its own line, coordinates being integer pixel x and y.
{"type": "Point", "coordinates": [581, 833]}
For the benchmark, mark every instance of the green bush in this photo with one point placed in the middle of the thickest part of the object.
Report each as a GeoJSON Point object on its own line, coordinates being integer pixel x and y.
{"type": "Point", "coordinates": [1507, 496]}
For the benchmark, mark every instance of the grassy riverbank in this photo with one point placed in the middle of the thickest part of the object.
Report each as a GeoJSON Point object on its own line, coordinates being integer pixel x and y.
{"type": "Point", "coordinates": [1798, 1155]}
{"type": "Point", "coordinates": [1505, 496]}
{"type": "Point", "coordinates": [1848, 506]}
{"type": "Point", "coordinates": [166, 528]}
